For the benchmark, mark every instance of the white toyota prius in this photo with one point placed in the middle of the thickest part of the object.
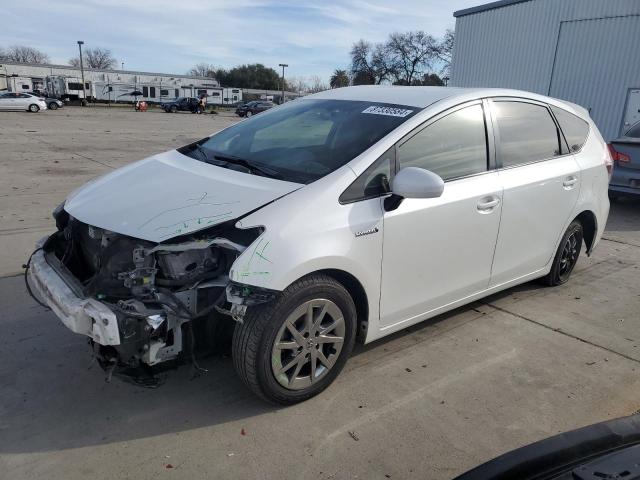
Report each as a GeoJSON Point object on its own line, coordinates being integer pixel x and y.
{"type": "Point", "coordinates": [342, 216]}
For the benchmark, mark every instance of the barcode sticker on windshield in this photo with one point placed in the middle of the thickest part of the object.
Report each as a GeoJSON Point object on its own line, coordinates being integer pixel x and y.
{"type": "Point", "coordinates": [389, 111]}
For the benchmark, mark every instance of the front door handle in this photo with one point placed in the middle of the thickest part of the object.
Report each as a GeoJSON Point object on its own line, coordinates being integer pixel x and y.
{"type": "Point", "coordinates": [569, 182]}
{"type": "Point", "coordinates": [488, 204]}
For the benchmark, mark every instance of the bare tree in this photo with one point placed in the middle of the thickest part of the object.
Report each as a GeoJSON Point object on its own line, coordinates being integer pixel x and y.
{"type": "Point", "coordinates": [99, 58]}
{"type": "Point", "coordinates": [203, 70]}
{"type": "Point", "coordinates": [298, 84]}
{"type": "Point", "coordinates": [444, 51]}
{"type": "Point", "coordinates": [316, 84]}
{"type": "Point", "coordinates": [23, 54]}
{"type": "Point", "coordinates": [370, 64]}
{"type": "Point", "coordinates": [411, 53]}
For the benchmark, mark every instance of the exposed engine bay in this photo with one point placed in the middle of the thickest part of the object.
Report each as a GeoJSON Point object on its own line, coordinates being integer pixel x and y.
{"type": "Point", "coordinates": [168, 298]}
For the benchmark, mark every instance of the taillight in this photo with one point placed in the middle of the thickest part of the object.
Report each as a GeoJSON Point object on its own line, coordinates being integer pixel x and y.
{"type": "Point", "coordinates": [608, 160]}
{"type": "Point", "coordinates": [616, 156]}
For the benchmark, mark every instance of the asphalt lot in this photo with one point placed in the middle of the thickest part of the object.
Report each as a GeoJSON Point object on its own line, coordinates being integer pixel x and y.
{"type": "Point", "coordinates": [427, 403]}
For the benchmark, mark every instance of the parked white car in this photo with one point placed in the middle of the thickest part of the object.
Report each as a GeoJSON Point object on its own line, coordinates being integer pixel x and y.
{"type": "Point", "coordinates": [349, 214]}
{"type": "Point", "coordinates": [22, 101]}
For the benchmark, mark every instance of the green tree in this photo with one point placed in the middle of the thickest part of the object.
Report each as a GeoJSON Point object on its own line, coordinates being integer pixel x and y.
{"type": "Point", "coordinates": [339, 79]}
{"type": "Point", "coordinates": [250, 76]}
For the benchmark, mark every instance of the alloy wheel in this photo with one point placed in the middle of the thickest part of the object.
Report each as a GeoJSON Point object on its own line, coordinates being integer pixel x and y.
{"type": "Point", "coordinates": [308, 344]}
{"type": "Point", "coordinates": [569, 254]}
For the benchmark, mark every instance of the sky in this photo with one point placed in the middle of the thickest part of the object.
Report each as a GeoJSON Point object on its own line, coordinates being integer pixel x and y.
{"type": "Point", "coordinates": [170, 36]}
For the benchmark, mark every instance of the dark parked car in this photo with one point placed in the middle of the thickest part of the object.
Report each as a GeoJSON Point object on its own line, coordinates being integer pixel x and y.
{"type": "Point", "coordinates": [607, 450]}
{"type": "Point", "coordinates": [184, 104]}
{"type": "Point", "coordinates": [253, 108]}
{"type": "Point", "coordinates": [52, 103]}
{"type": "Point", "coordinates": [625, 151]}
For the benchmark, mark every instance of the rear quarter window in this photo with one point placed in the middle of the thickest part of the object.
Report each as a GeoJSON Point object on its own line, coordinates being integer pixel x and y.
{"type": "Point", "coordinates": [575, 129]}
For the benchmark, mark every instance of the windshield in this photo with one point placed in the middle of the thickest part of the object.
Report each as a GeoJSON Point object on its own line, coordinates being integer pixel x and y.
{"type": "Point", "coordinates": [303, 140]}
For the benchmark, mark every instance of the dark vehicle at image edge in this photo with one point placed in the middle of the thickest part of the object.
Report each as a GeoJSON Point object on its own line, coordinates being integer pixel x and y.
{"type": "Point", "coordinates": [253, 108]}
{"type": "Point", "coordinates": [181, 104]}
{"type": "Point", "coordinates": [625, 151]}
{"type": "Point", "coordinates": [608, 450]}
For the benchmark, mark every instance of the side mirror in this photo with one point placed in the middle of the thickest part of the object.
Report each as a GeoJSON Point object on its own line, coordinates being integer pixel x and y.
{"type": "Point", "coordinates": [413, 182]}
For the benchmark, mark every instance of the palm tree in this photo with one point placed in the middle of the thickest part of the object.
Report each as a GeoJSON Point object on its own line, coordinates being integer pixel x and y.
{"type": "Point", "coordinates": [339, 79]}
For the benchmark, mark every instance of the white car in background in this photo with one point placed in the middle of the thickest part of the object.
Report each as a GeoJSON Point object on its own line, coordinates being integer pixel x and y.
{"type": "Point", "coordinates": [22, 101]}
{"type": "Point", "coordinates": [349, 214]}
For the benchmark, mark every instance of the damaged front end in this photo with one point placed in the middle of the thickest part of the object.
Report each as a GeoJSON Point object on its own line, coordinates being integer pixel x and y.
{"type": "Point", "coordinates": [143, 303]}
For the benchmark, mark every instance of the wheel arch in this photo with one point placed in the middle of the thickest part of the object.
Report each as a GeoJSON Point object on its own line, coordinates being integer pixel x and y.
{"type": "Point", "coordinates": [589, 228]}
{"type": "Point", "coordinates": [358, 294]}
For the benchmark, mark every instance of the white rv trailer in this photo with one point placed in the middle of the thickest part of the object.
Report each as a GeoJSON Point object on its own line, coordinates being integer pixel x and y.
{"type": "Point", "coordinates": [67, 87]}
{"type": "Point", "coordinates": [156, 92]}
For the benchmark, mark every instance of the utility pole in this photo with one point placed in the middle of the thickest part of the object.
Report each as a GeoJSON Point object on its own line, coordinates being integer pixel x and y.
{"type": "Point", "coordinates": [84, 87]}
{"type": "Point", "coordinates": [282, 65]}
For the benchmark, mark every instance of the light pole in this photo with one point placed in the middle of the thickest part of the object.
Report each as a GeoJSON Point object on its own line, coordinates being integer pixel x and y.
{"type": "Point", "coordinates": [6, 76]}
{"type": "Point", "coordinates": [84, 87]}
{"type": "Point", "coordinates": [283, 65]}
{"type": "Point", "coordinates": [122, 66]}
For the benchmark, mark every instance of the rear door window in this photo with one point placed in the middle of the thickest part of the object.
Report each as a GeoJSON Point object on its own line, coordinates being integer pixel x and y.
{"type": "Point", "coordinates": [574, 128]}
{"type": "Point", "coordinates": [453, 146]}
{"type": "Point", "coordinates": [526, 133]}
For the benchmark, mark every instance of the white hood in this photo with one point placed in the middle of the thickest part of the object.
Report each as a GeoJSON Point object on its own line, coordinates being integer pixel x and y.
{"type": "Point", "coordinates": [170, 194]}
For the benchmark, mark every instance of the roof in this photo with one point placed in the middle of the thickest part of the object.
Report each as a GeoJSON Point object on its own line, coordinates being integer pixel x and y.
{"type": "Point", "coordinates": [422, 97]}
{"type": "Point", "coordinates": [412, 96]}
{"type": "Point", "coordinates": [101, 70]}
{"type": "Point", "coordinates": [487, 6]}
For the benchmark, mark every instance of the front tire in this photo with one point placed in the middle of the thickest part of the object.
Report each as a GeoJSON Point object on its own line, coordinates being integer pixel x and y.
{"type": "Point", "coordinates": [248, 114]}
{"type": "Point", "coordinates": [566, 256]}
{"type": "Point", "coordinates": [174, 109]}
{"type": "Point", "coordinates": [53, 106]}
{"type": "Point", "coordinates": [33, 108]}
{"type": "Point", "coordinates": [293, 348]}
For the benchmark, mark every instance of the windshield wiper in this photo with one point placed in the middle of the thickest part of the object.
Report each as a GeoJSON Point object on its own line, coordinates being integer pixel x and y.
{"type": "Point", "coordinates": [264, 171]}
{"type": "Point", "coordinates": [201, 150]}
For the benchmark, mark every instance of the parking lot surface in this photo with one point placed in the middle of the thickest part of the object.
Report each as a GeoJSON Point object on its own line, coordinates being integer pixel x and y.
{"type": "Point", "coordinates": [429, 402]}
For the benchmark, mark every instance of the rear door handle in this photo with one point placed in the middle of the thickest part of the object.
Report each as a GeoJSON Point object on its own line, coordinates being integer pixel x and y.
{"type": "Point", "coordinates": [488, 204]}
{"type": "Point", "coordinates": [569, 182]}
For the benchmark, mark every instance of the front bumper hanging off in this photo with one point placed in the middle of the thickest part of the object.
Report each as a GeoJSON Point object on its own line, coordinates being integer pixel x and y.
{"type": "Point", "coordinates": [86, 316]}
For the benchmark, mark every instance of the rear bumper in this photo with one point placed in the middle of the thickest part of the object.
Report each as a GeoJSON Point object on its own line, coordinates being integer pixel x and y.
{"type": "Point", "coordinates": [625, 180]}
{"type": "Point", "coordinates": [86, 316]}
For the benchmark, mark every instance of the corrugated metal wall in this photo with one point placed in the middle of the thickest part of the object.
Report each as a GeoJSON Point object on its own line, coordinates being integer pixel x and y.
{"type": "Point", "coordinates": [596, 61]}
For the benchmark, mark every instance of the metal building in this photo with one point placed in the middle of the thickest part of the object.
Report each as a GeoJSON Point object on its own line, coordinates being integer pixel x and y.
{"type": "Point", "coordinates": [584, 51]}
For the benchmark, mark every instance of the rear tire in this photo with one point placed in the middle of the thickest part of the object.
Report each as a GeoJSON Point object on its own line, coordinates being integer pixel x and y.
{"type": "Point", "coordinates": [33, 108]}
{"type": "Point", "coordinates": [310, 327]}
{"type": "Point", "coordinates": [248, 114]}
{"type": "Point", "coordinates": [566, 257]}
{"type": "Point", "coordinates": [174, 109]}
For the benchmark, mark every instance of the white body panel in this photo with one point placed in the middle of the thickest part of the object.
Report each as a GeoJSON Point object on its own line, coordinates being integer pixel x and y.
{"type": "Point", "coordinates": [170, 194]}
{"type": "Point", "coordinates": [438, 250]}
{"type": "Point", "coordinates": [539, 198]}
